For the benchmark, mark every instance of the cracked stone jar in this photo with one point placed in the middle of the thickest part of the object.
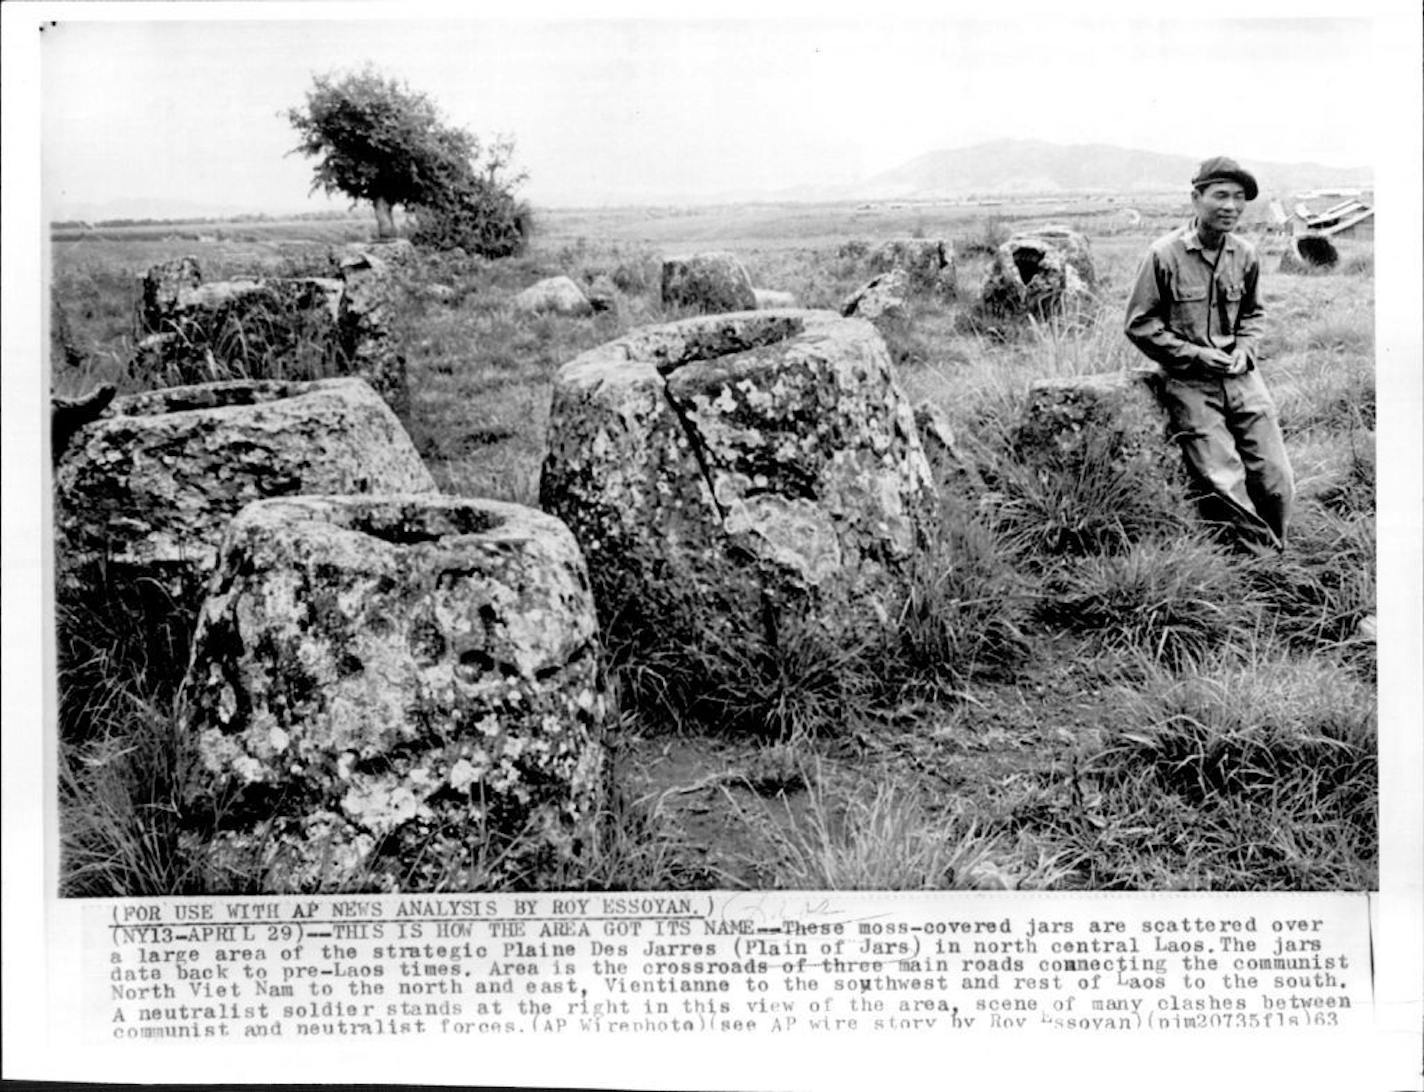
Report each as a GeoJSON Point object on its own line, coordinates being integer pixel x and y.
{"type": "Point", "coordinates": [396, 693]}
{"type": "Point", "coordinates": [755, 461]}
{"type": "Point", "coordinates": [143, 495]}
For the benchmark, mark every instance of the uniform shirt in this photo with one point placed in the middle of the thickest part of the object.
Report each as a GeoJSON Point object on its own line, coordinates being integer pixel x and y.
{"type": "Point", "coordinates": [1179, 308]}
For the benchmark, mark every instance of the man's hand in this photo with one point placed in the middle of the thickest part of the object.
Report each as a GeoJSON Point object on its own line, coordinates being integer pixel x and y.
{"type": "Point", "coordinates": [1224, 363]}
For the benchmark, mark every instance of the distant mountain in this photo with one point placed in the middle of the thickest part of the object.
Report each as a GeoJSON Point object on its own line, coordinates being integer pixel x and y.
{"type": "Point", "coordinates": [1035, 166]}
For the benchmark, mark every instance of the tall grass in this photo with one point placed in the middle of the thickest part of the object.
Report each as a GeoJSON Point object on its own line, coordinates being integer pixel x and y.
{"type": "Point", "coordinates": [1259, 771]}
{"type": "Point", "coordinates": [121, 800]}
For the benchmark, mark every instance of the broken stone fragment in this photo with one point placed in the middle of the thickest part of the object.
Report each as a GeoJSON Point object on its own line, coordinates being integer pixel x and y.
{"type": "Point", "coordinates": [143, 494]}
{"type": "Point", "coordinates": [747, 458]}
{"type": "Point", "coordinates": [396, 693]}
{"type": "Point", "coordinates": [160, 288]}
{"type": "Point", "coordinates": [953, 471]}
{"type": "Point", "coordinates": [710, 282]}
{"type": "Point", "coordinates": [883, 296]}
{"type": "Point", "coordinates": [928, 264]}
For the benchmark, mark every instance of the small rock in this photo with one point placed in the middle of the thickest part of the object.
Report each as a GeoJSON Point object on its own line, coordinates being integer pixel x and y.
{"type": "Point", "coordinates": [558, 295]}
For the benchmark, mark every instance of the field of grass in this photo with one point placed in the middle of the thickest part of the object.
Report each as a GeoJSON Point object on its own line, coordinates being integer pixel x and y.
{"type": "Point", "coordinates": [1078, 691]}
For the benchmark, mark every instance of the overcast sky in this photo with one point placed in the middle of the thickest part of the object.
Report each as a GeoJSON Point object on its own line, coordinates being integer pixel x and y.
{"type": "Point", "coordinates": [626, 110]}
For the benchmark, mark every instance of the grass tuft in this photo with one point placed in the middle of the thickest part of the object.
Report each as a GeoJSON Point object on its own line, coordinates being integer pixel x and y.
{"type": "Point", "coordinates": [885, 838]}
{"type": "Point", "coordinates": [1175, 601]}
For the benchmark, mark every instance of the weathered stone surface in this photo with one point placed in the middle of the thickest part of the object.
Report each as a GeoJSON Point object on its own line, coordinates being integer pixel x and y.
{"type": "Point", "coordinates": [1309, 254]}
{"type": "Point", "coordinates": [1034, 274]}
{"type": "Point", "coordinates": [161, 286]}
{"type": "Point", "coordinates": [364, 317]}
{"type": "Point", "coordinates": [397, 693]}
{"type": "Point", "coordinates": [559, 295]}
{"type": "Point", "coordinates": [1074, 246]}
{"type": "Point", "coordinates": [710, 282]}
{"type": "Point", "coordinates": [769, 298]}
{"type": "Point", "coordinates": [883, 296]}
{"type": "Point", "coordinates": [928, 264]}
{"type": "Point", "coordinates": [1114, 415]}
{"type": "Point", "coordinates": [952, 470]}
{"type": "Point", "coordinates": [757, 457]}
{"type": "Point", "coordinates": [143, 494]}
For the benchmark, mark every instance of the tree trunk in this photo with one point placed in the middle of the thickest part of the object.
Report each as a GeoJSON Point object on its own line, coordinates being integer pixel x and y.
{"type": "Point", "coordinates": [385, 223]}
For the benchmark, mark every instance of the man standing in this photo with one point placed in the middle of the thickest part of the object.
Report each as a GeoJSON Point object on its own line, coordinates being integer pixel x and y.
{"type": "Point", "coordinates": [1196, 311]}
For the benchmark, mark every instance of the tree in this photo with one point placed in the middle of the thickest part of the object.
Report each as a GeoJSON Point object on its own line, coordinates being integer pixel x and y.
{"type": "Point", "coordinates": [377, 140]}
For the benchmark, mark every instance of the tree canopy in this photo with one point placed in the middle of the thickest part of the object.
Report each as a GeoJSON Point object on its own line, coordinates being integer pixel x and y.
{"type": "Point", "coordinates": [376, 139]}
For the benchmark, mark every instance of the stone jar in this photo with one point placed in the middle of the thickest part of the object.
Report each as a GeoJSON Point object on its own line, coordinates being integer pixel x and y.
{"type": "Point", "coordinates": [750, 461]}
{"type": "Point", "coordinates": [396, 693]}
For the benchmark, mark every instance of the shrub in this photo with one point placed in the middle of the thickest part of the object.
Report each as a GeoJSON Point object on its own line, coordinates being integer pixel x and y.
{"type": "Point", "coordinates": [478, 218]}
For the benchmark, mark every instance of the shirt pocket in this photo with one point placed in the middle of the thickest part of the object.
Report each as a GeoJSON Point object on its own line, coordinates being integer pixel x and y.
{"type": "Point", "coordinates": [1189, 310]}
{"type": "Point", "coordinates": [1229, 293]}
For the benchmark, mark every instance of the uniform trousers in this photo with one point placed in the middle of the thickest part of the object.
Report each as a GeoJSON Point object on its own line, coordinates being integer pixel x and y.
{"type": "Point", "coordinates": [1227, 428]}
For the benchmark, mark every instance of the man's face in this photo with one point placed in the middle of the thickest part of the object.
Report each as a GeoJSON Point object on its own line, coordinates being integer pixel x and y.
{"type": "Point", "coordinates": [1219, 205]}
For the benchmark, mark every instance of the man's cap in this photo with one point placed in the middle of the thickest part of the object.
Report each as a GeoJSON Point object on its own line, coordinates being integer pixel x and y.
{"type": "Point", "coordinates": [1220, 168]}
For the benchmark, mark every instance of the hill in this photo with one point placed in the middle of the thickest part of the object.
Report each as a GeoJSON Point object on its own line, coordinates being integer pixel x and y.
{"type": "Point", "coordinates": [1035, 166]}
